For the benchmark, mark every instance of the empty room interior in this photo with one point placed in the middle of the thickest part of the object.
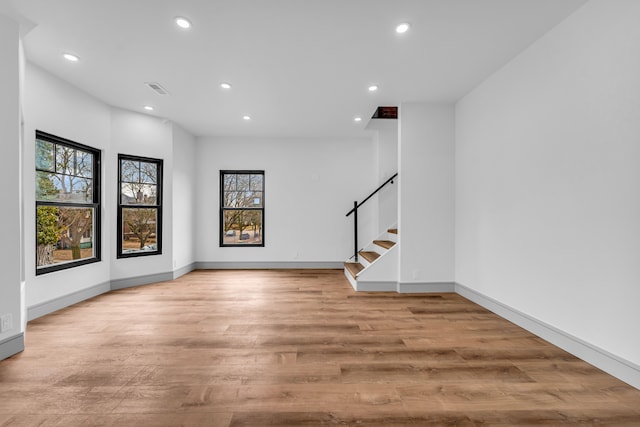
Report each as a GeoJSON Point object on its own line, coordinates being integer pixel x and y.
{"type": "Point", "coordinates": [363, 212]}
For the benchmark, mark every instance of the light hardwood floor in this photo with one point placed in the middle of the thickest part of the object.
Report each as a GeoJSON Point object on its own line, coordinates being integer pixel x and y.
{"type": "Point", "coordinates": [296, 348]}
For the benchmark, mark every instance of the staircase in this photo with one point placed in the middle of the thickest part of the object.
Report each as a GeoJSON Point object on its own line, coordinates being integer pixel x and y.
{"type": "Point", "coordinates": [377, 265]}
{"type": "Point", "coordinates": [374, 267]}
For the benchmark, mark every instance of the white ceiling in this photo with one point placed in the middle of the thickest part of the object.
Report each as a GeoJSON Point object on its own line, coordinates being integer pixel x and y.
{"type": "Point", "coordinates": [298, 67]}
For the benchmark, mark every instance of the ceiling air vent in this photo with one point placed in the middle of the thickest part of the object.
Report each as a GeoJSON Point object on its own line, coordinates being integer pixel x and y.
{"type": "Point", "coordinates": [157, 88]}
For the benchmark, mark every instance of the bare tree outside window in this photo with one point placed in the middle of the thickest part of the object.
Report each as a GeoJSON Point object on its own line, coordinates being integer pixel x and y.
{"type": "Point", "coordinates": [67, 203]}
{"type": "Point", "coordinates": [241, 208]}
{"type": "Point", "coordinates": [139, 206]}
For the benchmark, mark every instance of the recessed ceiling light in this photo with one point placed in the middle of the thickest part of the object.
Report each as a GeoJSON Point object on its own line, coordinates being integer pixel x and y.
{"type": "Point", "coordinates": [148, 107]}
{"type": "Point", "coordinates": [225, 85]}
{"type": "Point", "coordinates": [183, 22]}
{"type": "Point", "coordinates": [402, 28]}
{"type": "Point", "coordinates": [357, 119]}
{"type": "Point", "coordinates": [70, 57]}
{"type": "Point", "coordinates": [373, 88]}
{"type": "Point", "coordinates": [246, 118]}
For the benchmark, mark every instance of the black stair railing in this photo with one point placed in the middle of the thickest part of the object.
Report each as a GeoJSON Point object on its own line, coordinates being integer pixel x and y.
{"type": "Point", "coordinates": [354, 211]}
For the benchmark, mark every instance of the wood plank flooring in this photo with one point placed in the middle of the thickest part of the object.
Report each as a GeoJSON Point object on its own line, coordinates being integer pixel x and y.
{"type": "Point", "coordinates": [296, 348]}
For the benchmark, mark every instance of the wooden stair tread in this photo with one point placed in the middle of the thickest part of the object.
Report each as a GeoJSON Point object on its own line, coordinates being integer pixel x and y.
{"type": "Point", "coordinates": [392, 231]}
{"type": "Point", "coordinates": [354, 268]}
{"type": "Point", "coordinates": [369, 255]}
{"type": "Point", "coordinates": [387, 244]}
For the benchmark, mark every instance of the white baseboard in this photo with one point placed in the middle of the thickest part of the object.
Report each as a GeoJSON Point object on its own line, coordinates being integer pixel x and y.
{"type": "Point", "coordinates": [620, 368]}
{"type": "Point", "coordinates": [12, 345]}
{"type": "Point", "coordinates": [64, 301]}
{"type": "Point", "coordinates": [39, 310]}
{"type": "Point", "coordinates": [140, 280]}
{"type": "Point", "coordinates": [376, 286]}
{"type": "Point", "coordinates": [184, 270]}
{"type": "Point", "coordinates": [239, 265]}
{"type": "Point", "coordinates": [425, 287]}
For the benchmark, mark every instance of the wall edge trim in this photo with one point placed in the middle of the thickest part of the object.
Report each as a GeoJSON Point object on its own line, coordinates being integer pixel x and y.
{"type": "Point", "coordinates": [147, 279]}
{"type": "Point", "coordinates": [616, 366]}
{"type": "Point", "coordinates": [44, 308]}
{"type": "Point", "coordinates": [269, 265]}
{"type": "Point", "coordinates": [377, 286]}
{"type": "Point", "coordinates": [11, 346]}
{"type": "Point", "coordinates": [179, 272]}
{"type": "Point", "coordinates": [425, 287]}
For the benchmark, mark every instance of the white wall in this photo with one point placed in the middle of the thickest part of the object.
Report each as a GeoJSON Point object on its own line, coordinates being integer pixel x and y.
{"type": "Point", "coordinates": [309, 187]}
{"type": "Point", "coordinates": [10, 250]}
{"type": "Point", "coordinates": [548, 180]}
{"type": "Point", "coordinates": [141, 135]}
{"type": "Point", "coordinates": [386, 143]}
{"type": "Point", "coordinates": [53, 106]}
{"type": "Point", "coordinates": [184, 198]}
{"type": "Point", "coordinates": [425, 193]}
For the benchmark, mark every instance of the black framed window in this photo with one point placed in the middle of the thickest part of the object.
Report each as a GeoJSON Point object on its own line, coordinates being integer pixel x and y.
{"type": "Point", "coordinates": [241, 208]}
{"type": "Point", "coordinates": [67, 203]}
{"type": "Point", "coordinates": [139, 206]}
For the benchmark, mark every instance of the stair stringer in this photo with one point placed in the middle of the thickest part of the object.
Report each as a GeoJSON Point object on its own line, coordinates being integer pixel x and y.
{"type": "Point", "coordinates": [382, 274]}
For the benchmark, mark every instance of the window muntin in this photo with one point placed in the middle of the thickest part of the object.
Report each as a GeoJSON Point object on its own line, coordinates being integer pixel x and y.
{"type": "Point", "coordinates": [139, 206]}
{"type": "Point", "coordinates": [67, 203]}
{"type": "Point", "coordinates": [241, 208]}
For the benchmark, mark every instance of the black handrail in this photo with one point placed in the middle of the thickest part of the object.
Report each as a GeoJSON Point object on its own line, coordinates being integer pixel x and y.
{"type": "Point", "coordinates": [390, 180]}
{"type": "Point", "coordinates": [354, 211]}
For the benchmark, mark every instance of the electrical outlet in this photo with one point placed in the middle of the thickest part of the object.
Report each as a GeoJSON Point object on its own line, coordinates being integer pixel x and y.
{"type": "Point", "coordinates": [6, 323]}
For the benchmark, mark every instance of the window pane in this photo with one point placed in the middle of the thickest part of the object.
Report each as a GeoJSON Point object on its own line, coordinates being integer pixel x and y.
{"type": "Point", "coordinates": [256, 199]}
{"type": "Point", "coordinates": [256, 183]}
{"type": "Point", "coordinates": [230, 199]}
{"type": "Point", "coordinates": [148, 173]}
{"type": "Point", "coordinates": [64, 234]}
{"type": "Point", "coordinates": [65, 160]}
{"type": "Point", "coordinates": [84, 164]}
{"type": "Point", "coordinates": [129, 171]}
{"type": "Point", "coordinates": [229, 182]}
{"type": "Point", "coordinates": [248, 199]}
{"type": "Point", "coordinates": [139, 233]}
{"type": "Point", "coordinates": [46, 188]}
{"type": "Point", "coordinates": [242, 182]}
{"type": "Point", "coordinates": [138, 194]}
{"type": "Point", "coordinates": [63, 188]}
{"type": "Point", "coordinates": [44, 155]}
{"type": "Point", "coordinates": [242, 227]}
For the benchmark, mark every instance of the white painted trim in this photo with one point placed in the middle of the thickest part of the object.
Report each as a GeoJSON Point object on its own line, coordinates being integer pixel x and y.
{"type": "Point", "coordinates": [425, 287]}
{"type": "Point", "coordinates": [240, 265]}
{"type": "Point", "coordinates": [39, 310]}
{"type": "Point", "coordinates": [12, 345]}
{"type": "Point", "coordinates": [374, 286]}
{"type": "Point", "coordinates": [64, 301]}
{"type": "Point", "coordinates": [620, 368]}
{"type": "Point", "coordinates": [140, 280]}
{"type": "Point", "coordinates": [184, 270]}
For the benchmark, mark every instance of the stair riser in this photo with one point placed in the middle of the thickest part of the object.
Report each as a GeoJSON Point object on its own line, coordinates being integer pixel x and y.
{"type": "Point", "coordinates": [385, 243]}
